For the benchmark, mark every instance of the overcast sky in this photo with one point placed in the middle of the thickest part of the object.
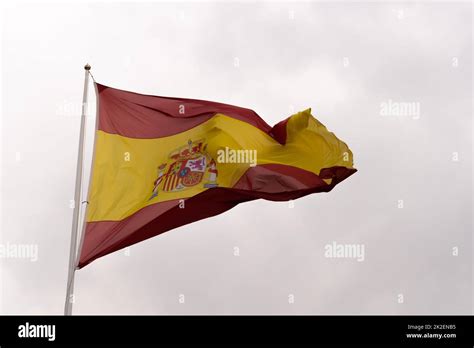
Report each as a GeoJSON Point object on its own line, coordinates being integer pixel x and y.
{"type": "Point", "coordinates": [409, 205]}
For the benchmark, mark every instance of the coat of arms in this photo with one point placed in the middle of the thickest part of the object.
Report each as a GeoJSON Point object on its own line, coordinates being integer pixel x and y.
{"type": "Point", "coordinates": [187, 167]}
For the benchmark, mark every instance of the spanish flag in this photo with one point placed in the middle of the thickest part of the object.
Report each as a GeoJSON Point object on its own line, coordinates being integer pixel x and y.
{"type": "Point", "coordinates": [160, 163]}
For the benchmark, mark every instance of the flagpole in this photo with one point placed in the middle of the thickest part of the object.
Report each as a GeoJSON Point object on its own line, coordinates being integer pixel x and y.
{"type": "Point", "coordinates": [77, 200]}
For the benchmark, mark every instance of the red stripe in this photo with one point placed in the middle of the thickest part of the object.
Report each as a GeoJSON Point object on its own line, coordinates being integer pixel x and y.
{"type": "Point", "coordinates": [145, 116]}
{"type": "Point", "coordinates": [282, 183]}
{"type": "Point", "coordinates": [279, 131]}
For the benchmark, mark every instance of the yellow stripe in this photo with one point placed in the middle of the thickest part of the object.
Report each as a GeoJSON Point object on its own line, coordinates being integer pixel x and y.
{"type": "Point", "coordinates": [125, 169]}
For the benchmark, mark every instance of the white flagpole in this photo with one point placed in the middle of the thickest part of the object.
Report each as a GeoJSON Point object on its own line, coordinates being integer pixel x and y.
{"type": "Point", "coordinates": [77, 200]}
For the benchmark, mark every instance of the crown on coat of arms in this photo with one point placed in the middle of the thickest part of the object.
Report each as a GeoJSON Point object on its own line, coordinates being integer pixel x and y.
{"type": "Point", "coordinates": [188, 151]}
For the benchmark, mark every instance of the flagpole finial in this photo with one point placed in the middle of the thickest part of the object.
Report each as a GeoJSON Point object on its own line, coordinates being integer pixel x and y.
{"type": "Point", "coordinates": [87, 67]}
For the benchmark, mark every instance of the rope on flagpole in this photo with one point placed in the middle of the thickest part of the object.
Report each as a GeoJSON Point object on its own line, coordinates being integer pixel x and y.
{"type": "Point", "coordinates": [93, 79]}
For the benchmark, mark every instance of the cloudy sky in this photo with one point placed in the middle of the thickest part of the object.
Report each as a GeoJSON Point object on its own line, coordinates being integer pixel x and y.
{"type": "Point", "coordinates": [354, 64]}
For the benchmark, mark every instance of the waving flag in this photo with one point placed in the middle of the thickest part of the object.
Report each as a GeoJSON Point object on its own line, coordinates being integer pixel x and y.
{"type": "Point", "coordinates": [160, 163]}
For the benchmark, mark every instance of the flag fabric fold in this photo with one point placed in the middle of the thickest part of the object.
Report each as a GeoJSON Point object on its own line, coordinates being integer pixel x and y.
{"type": "Point", "coordinates": [160, 163]}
